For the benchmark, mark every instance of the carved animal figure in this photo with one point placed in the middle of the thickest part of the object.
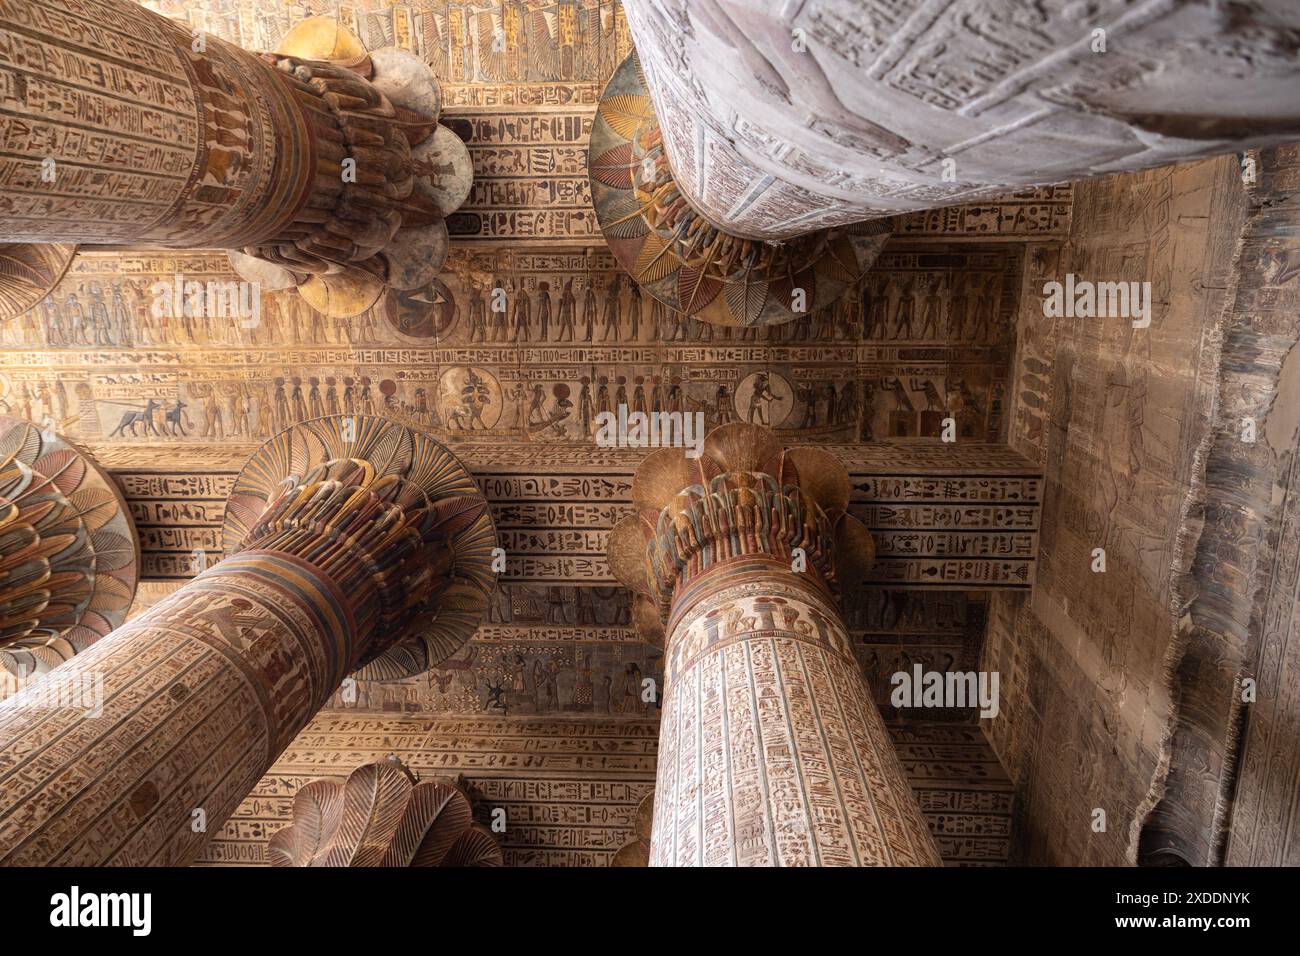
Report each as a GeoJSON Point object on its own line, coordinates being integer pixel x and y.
{"type": "Point", "coordinates": [140, 417]}
{"type": "Point", "coordinates": [175, 417]}
{"type": "Point", "coordinates": [933, 401]}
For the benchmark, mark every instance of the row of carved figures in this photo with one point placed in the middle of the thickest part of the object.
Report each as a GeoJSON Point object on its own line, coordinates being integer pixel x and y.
{"type": "Point", "coordinates": [120, 312]}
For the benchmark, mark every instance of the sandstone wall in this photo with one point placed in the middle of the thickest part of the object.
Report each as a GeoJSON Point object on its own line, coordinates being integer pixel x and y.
{"type": "Point", "coordinates": [1119, 417]}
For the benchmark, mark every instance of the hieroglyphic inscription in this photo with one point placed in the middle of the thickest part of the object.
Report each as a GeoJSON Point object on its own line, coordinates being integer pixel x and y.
{"type": "Point", "coordinates": [1034, 214]}
{"type": "Point", "coordinates": [524, 345]}
{"type": "Point", "coordinates": [968, 527]}
{"type": "Point", "coordinates": [966, 797]}
{"type": "Point", "coordinates": [1120, 417]}
{"type": "Point", "coordinates": [556, 817]}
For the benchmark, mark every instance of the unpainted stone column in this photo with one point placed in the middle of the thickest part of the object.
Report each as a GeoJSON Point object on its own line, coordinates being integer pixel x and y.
{"type": "Point", "coordinates": [780, 118]}
{"type": "Point", "coordinates": [746, 160]}
{"type": "Point", "coordinates": [371, 557]}
{"type": "Point", "coordinates": [771, 751]}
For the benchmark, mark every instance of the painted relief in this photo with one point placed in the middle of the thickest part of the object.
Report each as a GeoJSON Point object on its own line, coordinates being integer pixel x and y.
{"type": "Point", "coordinates": [508, 356]}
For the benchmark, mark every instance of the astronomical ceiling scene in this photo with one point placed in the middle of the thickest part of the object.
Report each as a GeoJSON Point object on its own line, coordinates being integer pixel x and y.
{"type": "Point", "coordinates": [581, 434]}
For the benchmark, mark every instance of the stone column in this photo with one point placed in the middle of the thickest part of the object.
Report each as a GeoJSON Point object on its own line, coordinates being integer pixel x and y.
{"type": "Point", "coordinates": [118, 125]}
{"type": "Point", "coordinates": [745, 160]}
{"type": "Point", "coordinates": [771, 751]}
{"type": "Point", "coordinates": [678, 255]}
{"type": "Point", "coordinates": [783, 118]}
{"type": "Point", "coordinates": [372, 557]}
{"type": "Point", "coordinates": [69, 555]}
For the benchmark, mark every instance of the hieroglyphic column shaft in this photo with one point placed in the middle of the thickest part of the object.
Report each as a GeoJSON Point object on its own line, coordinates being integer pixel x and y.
{"type": "Point", "coordinates": [323, 162]}
{"type": "Point", "coordinates": [781, 118]}
{"type": "Point", "coordinates": [771, 750]}
{"type": "Point", "coordinates": [771, 753]}
{"type": "Point", "coordinates": [114, 128]}
{"type": "Point", "coordinates": [373, 554]}
{"type": "Point", "coordinates": [199, 696]}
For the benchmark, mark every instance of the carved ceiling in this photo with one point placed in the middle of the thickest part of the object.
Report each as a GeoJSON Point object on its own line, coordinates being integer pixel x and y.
{"type": "Point", "coordinates": [530, 331]}
{"type": "Point", "coordinates": [1083, 434]}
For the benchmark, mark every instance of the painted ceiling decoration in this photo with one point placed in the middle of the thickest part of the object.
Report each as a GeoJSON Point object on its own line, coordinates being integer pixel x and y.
{"type": "Point", "coordinates": [363, 561]}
